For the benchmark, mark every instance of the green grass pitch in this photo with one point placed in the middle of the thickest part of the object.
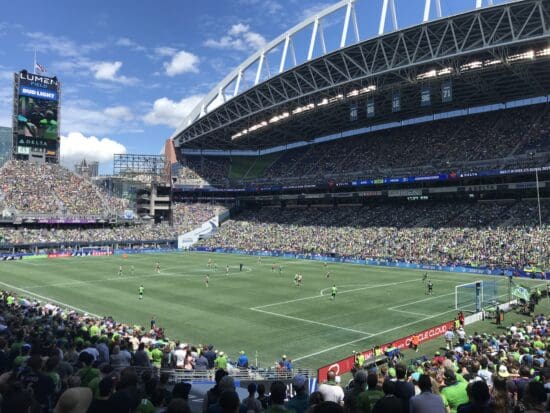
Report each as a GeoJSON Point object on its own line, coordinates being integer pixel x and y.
{"type": "Point", "coordinates": [256, 310]}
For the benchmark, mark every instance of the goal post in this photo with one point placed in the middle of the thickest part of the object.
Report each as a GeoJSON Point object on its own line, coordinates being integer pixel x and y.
{"type": "Point", "coordinates": [476, 295]}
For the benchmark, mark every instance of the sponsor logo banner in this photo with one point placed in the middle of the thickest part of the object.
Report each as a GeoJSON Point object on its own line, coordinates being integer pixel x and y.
{"type": "Point", "coordinates": [345, 365]}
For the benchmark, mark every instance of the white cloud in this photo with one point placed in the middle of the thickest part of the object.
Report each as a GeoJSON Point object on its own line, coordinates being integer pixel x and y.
{"type": "Point", "coordinates": [119, 112]}
{"type": "Point", "coordinates": [109, 70]}
{"type": "Point", "coordinates": [170, 113]}
{"type": "Point", "coordinates": [76, 146]}
{"type": "Point", "coordinates": [182, 62]}
{"type": "Point", "coordinates": [82, 116]}
{"type": "Point", "coordinates": [61, 45]}
{"type": "Point", "coordinates": [126, 42]}
{"type": "Point", "coordinates": [239, 37]}
{"type": "Point", "coordinates": [165, 51]}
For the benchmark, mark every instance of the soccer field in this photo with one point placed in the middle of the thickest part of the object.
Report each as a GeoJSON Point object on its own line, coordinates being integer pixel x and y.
{"type": "Point", "coordinates": [256, 310]}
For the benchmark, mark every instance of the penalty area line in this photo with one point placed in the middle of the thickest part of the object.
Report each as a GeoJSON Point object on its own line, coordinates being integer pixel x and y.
{"type": "Point", "coordinates": [304, 320]}
{"type": "Point", "coordinates": [370, 336]}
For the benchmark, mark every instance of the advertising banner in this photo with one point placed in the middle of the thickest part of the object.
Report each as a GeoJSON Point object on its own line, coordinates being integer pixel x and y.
{"type": "Point", "coordinates": [345, 365]}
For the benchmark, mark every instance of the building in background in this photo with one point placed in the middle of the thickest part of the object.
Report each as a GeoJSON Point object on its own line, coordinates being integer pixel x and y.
{"type": "Point", "coordinates": [6, 144]}
{"type": "Point", "coordinates": [86, 168]}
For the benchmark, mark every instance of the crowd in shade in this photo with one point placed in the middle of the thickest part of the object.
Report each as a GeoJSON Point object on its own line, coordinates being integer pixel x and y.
{"type": "Point", "coordinates": [214, 170]}
{"type": "Point", "coordinates": [61, 361]}
{"type": "Point", "coordinates": [59, 235]}
{"type": "Point", "coordinates": [454, 144]}
{"type": "Point", "coordinates": [477, 234]}
{"type": "Point", "coordinates": [188, 216]}
{"type": "Point", "coordinates": [28, 187]}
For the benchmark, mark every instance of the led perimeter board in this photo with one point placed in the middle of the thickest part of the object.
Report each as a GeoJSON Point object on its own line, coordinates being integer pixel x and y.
{"type": "Point", "coordinates": [36, 117]}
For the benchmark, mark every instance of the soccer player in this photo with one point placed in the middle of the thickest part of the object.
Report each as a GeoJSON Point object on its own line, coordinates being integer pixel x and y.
{"type": "Point", "coordinates": [333, 291]}
{"type": "Point", "coordinates": [153, 322]}
{"type": "Point", "coordinates": [120, 270]}
{"type": "Point", "coordinates": [273, 267]}
{"type": "Point", "coordinates": [227, 270]}
{"type": "Point", "coordinates": [157, 267]}
{"type": "Point", "coordinates": [425, 277]}
{"type": "Point", "coordinates": [206, 280]}
{"type": "Point", "coordinates": [327, 275]}
{"type": "Point", "coordinates": [240, 267]}
{"type": "Point", "coordinates": [209, 265]}
{"type": "Point", "coordinates": [215, 266]}
{"type": "Point", "coordinates": [299, 279]}
{"type": "Point", "coordinates": [132, 270]}
{"type": "Point", "coordinates": [140, 291]}
{"type": "Point", "coordinates": [296, 279]}
{"type": "Point", "coordinates": [259, 260]}
{"type": "Point", "coordinates": [280, 269]}
{"type": "Point", "coordinates": [430, 287]}
{"type": "Point", "coordinates": [325, 265]}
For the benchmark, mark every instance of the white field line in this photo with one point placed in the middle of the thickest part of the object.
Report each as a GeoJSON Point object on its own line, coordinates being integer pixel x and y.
{"type": "Point", "coordinates": [382, 332]}
{"type": "Point", "coordinates": [128, 277]}
{"type": "Point", "coordinates": [48, 299]}
{"type": "Point", "coordinates": [370, 336]}
{"type": "Point", "coordinates": [312, 297]}
{"type": "Point", "coordinates": [303, 320]}
{"type": "Point", "coordinates": [409, 312]}
{"type": "Point", "coordinates": [434, 297]}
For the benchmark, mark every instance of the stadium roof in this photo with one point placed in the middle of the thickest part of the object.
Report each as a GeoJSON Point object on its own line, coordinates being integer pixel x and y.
{"type": "Point", "coordinates": [488, 55]}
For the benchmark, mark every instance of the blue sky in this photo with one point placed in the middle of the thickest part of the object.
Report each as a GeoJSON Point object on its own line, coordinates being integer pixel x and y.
{"type": "Point", "coordinates": [130, 70]}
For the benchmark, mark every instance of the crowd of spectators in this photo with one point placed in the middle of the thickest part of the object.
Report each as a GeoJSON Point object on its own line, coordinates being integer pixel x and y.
{"type": "Point", "coordinates": [59, 235]}
{"type": "Point", "coordinates": [478, 234]}
{"type": "Point", "coordinates": [188, 216]}
{"type": "Point", "coordinates": [211, 169]}
{"type": "Point", "coordinates": [454, 144]}
{"type": "Point", "coordinates": [45, 188]}
{"type": "Point", "coordinates": [506, 372]}
{"type": "Point", "coordinates": [54, 359]}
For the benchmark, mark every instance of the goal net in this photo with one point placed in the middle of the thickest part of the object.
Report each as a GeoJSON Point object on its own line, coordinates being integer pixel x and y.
{"type": "Point", "coordinates": [99, 250]}
{"type": "Point", "coordinates": [476, 295]}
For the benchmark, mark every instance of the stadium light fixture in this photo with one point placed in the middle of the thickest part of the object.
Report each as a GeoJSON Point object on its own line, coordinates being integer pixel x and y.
{"type": "Point", "coordinates": [470, 66]}
{"type": "Point", "coordinates": [445, 71]}
{"type": "Point", "coordinates": [323, 102]}
{"type": "Point", "coordinates": [426, 75]}
{"type": "Point", "coordinates": [492, 62]}
{"type": "Point", "coordinates": [336, 98]}
{"type": "Point", "coordinates": [543, 52]}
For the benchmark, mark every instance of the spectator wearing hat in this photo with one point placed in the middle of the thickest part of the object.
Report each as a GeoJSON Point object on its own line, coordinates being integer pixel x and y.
{"type": "Point", "coordinates": [330, 390]}
{"type": "Point", "coordinates": [221, 361]}
{"type": "Point", "coordinates": [250, 403]}
{"type": "Point", "coordinates": [242, 361]}
{"type": "Point", "coordinates": [299, 403]}
{"type": "Point", "coordinates": [454, 390]}
{"type": "Point", "coordinates": [356, 399]}
{"type": "Point", "coordinates": [426, 401]}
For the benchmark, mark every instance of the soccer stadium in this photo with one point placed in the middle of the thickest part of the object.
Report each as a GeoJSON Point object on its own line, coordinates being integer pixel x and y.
{"type": "Point", "coordinates": [343, 223]}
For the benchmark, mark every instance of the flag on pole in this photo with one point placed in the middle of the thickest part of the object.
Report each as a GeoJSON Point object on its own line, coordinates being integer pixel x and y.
{"type": "Point", "coordinates": [520, 292]}
{"type": "Point", "coordinates": [39, 68]}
